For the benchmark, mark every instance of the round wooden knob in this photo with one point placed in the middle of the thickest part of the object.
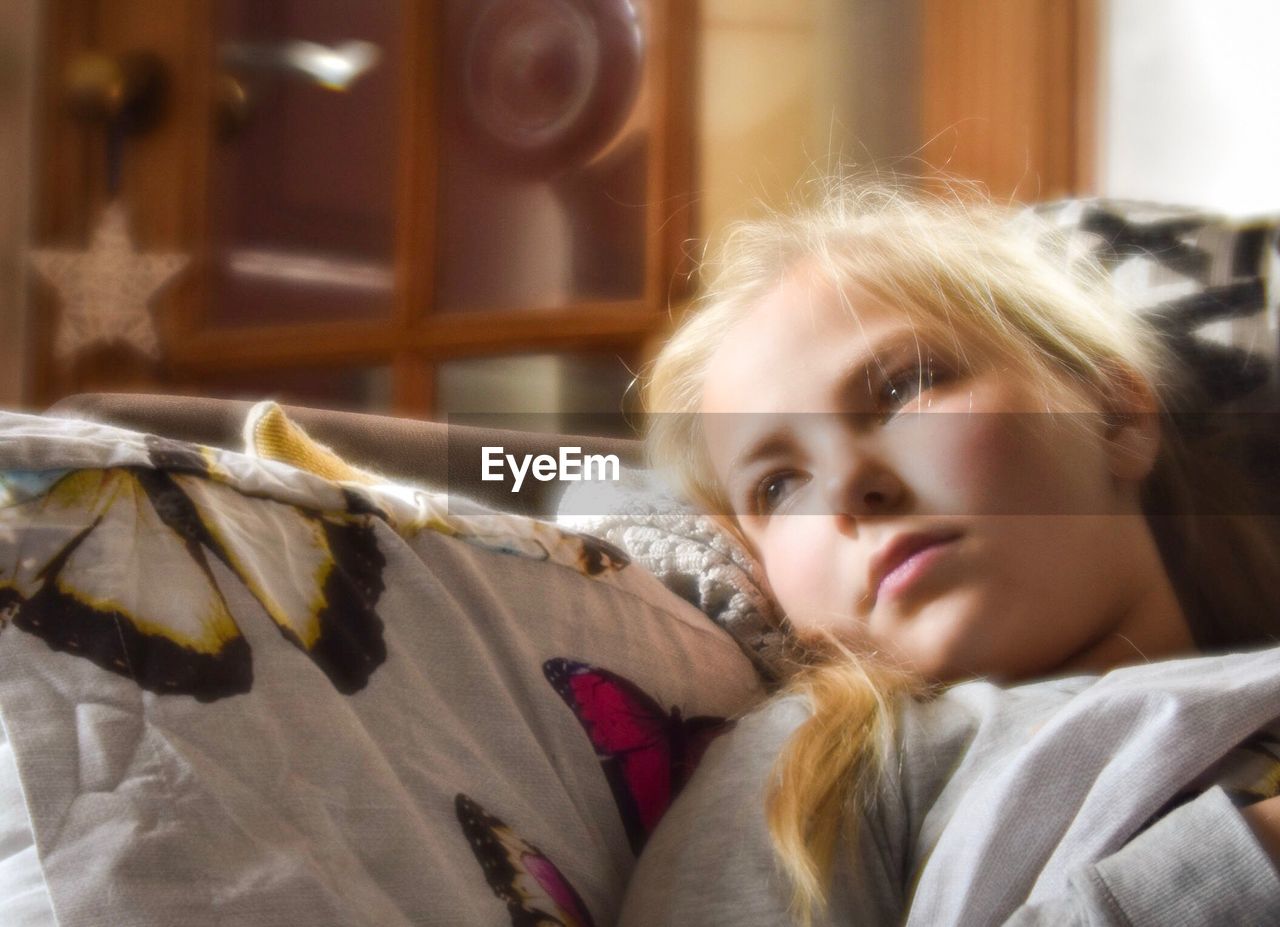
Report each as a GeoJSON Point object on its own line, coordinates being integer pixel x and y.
{"type": "Point", "coordinates": [129, 88]}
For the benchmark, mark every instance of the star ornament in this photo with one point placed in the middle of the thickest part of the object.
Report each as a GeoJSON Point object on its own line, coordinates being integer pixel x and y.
{"type": "Point", "coordinates": [106, 289]}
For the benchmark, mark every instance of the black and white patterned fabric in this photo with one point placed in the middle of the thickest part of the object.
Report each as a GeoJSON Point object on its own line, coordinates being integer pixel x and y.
{"type": "Point", "coordinates": [1211, 283]}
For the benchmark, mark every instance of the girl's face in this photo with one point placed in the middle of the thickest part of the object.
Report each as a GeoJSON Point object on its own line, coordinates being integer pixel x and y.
{"type": "Point", "coordinates": [845, 441]}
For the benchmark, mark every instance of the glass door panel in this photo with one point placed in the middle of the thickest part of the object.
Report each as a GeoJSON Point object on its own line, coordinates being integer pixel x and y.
{"type": "Point", "coordinates": [303, 172]}
{"type": "Point", "coordinates": [544, 149]}
{"type": "Point", "coordinates": [581, 393]}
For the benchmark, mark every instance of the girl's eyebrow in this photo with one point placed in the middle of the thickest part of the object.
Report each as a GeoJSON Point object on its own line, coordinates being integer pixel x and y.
{"type": "Point", "coordinates": [773, 443]}
{"type": "Point", "coordinates": [851, 387]}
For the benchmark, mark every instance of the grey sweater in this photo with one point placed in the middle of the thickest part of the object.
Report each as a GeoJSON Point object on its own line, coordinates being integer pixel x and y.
{"type": "Point", "coordinates": [1085, 800]}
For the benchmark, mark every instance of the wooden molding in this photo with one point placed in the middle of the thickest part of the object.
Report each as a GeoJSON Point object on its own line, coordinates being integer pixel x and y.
{"type": "Point", "coordinates": [1007, 94]}
{"type": "Point", "coordinates": [439, 337]}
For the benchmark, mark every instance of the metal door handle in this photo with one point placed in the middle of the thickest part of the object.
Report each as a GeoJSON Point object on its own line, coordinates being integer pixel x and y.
{"type": "Point", "coordinates": [334, 67]}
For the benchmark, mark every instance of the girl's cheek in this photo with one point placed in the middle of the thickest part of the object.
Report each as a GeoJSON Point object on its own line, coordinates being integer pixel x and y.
{"type": "Point", "coordinates": [797, 573]}
{"type": "Point", "coordinates": [992, 461]}
{"type": "Point", "coordinates": [959, 463]}
{"type": "Point", "coordinates": [988, 463]}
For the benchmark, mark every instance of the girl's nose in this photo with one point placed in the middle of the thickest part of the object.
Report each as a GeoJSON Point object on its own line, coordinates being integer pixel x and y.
{"type": "Point", "coordinates": [866, 489]}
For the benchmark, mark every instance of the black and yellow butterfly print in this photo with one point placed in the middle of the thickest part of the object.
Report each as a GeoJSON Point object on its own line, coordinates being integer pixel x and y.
{"type": "Point", "coordinates": [118, 566]}
{"type": "Point", "coordinates": [532, 887]}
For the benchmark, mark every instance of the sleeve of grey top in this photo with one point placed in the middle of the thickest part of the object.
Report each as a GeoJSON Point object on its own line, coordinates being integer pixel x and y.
{"type": "Point", "coordinates": [1047, 808]}
{"type": "Point", "coordinates": [710, 861]}
{"type": "Point", "coordinates": [1199, 864]}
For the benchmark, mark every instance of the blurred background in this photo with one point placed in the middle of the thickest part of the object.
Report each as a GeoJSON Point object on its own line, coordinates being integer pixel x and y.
{"type": "Point", "coordinates": [432, 207]}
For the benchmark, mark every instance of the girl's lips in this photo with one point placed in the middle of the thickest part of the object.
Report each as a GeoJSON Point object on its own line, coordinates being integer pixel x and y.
{"type": "Point", "coordinates": [916, 564]}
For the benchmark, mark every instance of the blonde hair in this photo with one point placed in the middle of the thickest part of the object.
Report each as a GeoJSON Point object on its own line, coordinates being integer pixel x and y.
{"type": "Point", "coordinates": [983, 277]}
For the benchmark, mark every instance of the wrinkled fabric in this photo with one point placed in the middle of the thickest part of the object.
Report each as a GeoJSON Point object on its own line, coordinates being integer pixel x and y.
{"type": "Point", "coordinates": [240, 694]}
{"type": "Point", "coordinates": [1087, 800]}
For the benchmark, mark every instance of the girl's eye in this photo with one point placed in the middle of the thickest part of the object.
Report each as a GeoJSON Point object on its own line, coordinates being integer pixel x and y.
{"type": "Point", "coordinates": [774, 490]}
{"type": "Point", "coordinates": [906, 384]}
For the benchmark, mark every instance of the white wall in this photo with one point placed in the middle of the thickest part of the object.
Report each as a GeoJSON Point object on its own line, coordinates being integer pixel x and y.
{"type": "Point", "coordinates": [18, 31]}
{"type": "Point", "coordinates": [1190, 102]}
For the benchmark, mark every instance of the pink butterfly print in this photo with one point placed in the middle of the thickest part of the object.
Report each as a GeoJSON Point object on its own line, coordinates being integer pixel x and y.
{"type": "Point", "coordinates": [646, 752]}
{"type": "Point", "coordinates": [536, 893]}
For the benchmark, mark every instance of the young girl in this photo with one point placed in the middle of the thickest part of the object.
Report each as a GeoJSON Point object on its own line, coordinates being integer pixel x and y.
{"type": "Point", "coordinates": [959, 461]}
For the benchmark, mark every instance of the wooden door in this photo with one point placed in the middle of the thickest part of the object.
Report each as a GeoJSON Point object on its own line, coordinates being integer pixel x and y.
{"type": "Point", "coordinates": [1008, 94]}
